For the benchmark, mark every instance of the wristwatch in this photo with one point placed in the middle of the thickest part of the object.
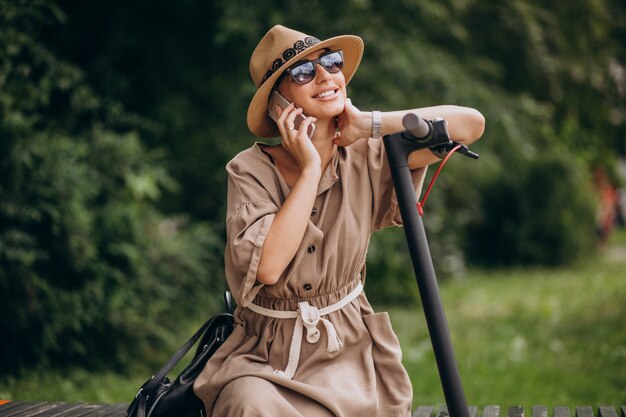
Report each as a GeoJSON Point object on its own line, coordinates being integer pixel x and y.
{"type": "Point", "coordinates": [377, 123]}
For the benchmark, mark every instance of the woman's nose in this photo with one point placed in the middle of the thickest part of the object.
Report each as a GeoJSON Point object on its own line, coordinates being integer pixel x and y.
{"type": "Point", "coordinates": [321, 75]}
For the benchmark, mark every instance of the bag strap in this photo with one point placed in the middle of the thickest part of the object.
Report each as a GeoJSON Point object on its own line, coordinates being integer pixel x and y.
{"type": "Point", "coordinates": [229, 303]}
{"type": "Point", "coordinates": [145, 391]}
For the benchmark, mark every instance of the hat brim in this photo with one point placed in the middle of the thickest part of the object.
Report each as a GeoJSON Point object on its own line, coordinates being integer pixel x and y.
{"type": "Point", "coordinates": [259, 123]}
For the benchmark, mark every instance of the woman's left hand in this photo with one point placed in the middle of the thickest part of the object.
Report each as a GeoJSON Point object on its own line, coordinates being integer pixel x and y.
{"type": "Point", "coordinates": [353, 125]}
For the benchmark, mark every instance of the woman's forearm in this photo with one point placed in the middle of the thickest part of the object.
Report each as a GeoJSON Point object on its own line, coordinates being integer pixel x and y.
{"type": "Point", "coordinates": [465, 125]}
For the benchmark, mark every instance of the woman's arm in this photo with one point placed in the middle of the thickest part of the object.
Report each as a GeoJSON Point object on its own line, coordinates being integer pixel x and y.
{"type": "Point", "coordinates": [291, 219]}
{"type": "Point", "coordinates": [466, 125]}
{"type": "Point", "coordinates": [288, 228]}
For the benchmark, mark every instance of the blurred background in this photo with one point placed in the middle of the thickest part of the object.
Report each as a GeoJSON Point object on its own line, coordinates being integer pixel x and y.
{"type": "Point", "coordinates": [117, 119]}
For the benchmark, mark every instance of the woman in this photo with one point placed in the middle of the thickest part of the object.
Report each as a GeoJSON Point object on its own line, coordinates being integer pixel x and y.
{"type": "Point", "coordinates": [300, 216]}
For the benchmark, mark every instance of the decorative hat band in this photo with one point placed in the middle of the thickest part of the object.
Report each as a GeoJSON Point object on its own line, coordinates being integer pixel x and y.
{"type": "Point", "coordinates": [298, 46]}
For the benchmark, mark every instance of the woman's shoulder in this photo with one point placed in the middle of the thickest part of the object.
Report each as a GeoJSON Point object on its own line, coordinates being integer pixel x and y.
{"type": "Point", "coordinates": [250, 160]}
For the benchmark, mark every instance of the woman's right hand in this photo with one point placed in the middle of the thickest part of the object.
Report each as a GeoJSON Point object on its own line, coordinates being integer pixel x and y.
{"type": "Point", "coordinates": [297, 141]}
{"type": "Point", "coordinates": [292, 218]}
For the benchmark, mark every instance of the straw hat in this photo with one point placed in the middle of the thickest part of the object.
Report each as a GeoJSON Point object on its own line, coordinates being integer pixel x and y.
{"type": "Point", "coordinates": [280, 48]}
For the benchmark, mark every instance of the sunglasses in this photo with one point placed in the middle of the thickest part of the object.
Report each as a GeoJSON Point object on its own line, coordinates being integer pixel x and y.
{"type": "Point", "coordinates": [304, 72]}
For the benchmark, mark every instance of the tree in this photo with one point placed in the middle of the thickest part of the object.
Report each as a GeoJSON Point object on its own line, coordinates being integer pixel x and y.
{"type": "Point", "coordinates": [91, 272]}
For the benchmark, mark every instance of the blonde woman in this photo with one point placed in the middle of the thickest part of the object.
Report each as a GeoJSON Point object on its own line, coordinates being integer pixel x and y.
{"type": "Point", "coordinates": [299, 220]}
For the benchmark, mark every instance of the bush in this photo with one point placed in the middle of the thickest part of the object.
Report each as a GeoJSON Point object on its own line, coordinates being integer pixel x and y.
{"type": "Point", "coordinates": [541, 215]}
{"type": "Point", "coordinates": [92, 274]}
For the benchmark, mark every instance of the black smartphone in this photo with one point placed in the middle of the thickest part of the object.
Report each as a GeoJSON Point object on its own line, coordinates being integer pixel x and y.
{"type": "Point", "coordinates": [277, 98]}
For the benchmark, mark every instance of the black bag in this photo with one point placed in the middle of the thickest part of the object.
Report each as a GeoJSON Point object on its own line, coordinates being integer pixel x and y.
{"type": "Point", "coordinates": [160, 397]}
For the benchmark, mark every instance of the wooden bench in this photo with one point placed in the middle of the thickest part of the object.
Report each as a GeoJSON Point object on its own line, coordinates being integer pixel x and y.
{"type": "Point", "coordinates": [61, 409]}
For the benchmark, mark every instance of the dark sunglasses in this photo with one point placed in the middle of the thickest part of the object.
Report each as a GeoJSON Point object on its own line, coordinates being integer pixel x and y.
{"type": "Point", "coordinates": [304, 71]}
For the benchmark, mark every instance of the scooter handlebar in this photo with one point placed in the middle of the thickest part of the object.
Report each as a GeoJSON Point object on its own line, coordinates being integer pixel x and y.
{"type": "Point", "coordinates": [433, 134]}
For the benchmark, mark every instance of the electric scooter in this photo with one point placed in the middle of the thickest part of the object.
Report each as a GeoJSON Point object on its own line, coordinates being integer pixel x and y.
{"type": "Point", "coordinates": [433, 135]}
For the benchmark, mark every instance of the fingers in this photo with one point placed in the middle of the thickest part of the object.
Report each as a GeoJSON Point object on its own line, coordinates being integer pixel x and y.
{"type": "Point", "coordinates": [286, 118]}
{"type": "Point", "coordinates": [350, 125]}
{"type": "Point", "coordinates": [282, 115]}
{"type": "Point", "coordinates": [297, 141]}
{"type": "Point", "coordinates": [306, 126]}
{"type": "Point", "coordinates": [290, 122]}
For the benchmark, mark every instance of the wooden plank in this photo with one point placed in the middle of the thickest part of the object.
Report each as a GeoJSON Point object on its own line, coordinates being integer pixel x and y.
{"type": "Point", "coordinates": [15, 406]}
{"type": "Point", "coordinates": [118, 410]}
{"type": "Point", "coordinates": [59, 410]}
{"type": "Point", "coordinates": [491, 411]}
{"type": "Point", "coordinates": [584, 411]}
{"type": "Point", "coordinates": [88, 410]}
{"type": "Point", "coordinates": [606, 411]}
{"type": "Point", "coordinates": [539, 411]}
{"type": "Point", "coordinates": [515, 411]}
{"type": "Point", "coordinates": [94, 410]}
{"type": "Point", "coordinates": [23, 409]}
{"type": "Point", "coordinates": [443, 411]}
{"type": "Point", "coordinates": [4, 408]}
{"type": "Point", "coordinates": [561, 411]}
{"type": "Point", "coordinates": [423, 411]}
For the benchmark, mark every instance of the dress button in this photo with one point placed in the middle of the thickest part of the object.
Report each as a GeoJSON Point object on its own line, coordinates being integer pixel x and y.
{"type": "Point", "coordinates": [314, 211]}
{"type": "Point", "coordinates": [311, 249]}
{"type": "Point", "coordinates": [308, 286]}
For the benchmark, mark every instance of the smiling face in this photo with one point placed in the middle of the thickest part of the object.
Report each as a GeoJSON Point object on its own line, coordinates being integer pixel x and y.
{"type": "Point", "coordinates": [323, 97]}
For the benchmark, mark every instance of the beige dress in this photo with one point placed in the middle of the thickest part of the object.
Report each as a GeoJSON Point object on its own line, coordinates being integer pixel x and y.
{"type": "Point", "coordinates": [365, 377]}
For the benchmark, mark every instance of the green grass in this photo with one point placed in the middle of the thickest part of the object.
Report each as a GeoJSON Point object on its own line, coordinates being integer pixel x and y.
{"type": "Point", "coordinates": [521, 337]}
{"type": "Point", "coordinates": [73, 386]}
{"type": "Point", "coordinates": [618, 237]}
{"type": "Point", "coordinates": [527, 337]}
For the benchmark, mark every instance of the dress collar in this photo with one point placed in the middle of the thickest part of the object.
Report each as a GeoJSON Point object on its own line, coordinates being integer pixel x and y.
{"type": "Point", "coordinates": [329, 176]}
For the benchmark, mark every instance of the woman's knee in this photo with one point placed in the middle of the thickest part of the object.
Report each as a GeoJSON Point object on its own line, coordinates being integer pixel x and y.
{"type": "Point", "coordinates": [245, 396]}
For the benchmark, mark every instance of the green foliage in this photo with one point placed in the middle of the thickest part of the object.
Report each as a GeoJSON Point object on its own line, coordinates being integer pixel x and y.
{"type": "Point", "coordinates": [91, 273]}
{"type": "Point", "coordinates": [527, 66]}
{"type": "Point", "coordinates": [543, 214]}
{"type": "Point", "coordinates": [110, 125]}
{"type": "Point", "coordinates": [390, 277]}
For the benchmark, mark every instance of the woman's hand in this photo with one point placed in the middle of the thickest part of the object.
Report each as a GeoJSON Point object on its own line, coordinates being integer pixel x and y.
{"type": "Point", "coordinates": [297, 141]}
{"type": "Point", "coordinates": [353, 125]}
{"type": "Point", "coordinates": [292, 218]}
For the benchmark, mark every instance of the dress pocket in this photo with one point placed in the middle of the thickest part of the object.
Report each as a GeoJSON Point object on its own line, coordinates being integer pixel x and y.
{"type": "Point", "coordinates": [392, 381]}
{"type": "Point", "coordinates": [384, 339]}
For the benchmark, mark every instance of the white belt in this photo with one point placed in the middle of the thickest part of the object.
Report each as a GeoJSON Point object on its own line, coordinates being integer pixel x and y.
{"type": "Point", "coordinates": [308, 316]}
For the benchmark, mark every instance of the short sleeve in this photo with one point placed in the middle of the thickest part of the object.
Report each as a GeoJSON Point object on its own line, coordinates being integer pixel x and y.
{"type": "Point", "coordinates": [251, 210]}
{"type": "Point", "coordinates": [385, 210]}
{"type": "Point", "coordinates": [246, 233]}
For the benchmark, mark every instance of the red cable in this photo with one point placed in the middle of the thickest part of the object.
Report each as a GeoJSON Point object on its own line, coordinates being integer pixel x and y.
{"type": "Point", "coordinates": [419, 205]}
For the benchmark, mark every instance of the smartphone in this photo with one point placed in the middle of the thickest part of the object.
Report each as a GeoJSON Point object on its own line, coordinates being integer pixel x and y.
{"type": "Point", "coordinates": [277, 98]}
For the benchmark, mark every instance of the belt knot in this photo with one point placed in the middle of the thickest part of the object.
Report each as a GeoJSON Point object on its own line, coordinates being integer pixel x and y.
{"type": "Point", "coordinates": [308, 317]}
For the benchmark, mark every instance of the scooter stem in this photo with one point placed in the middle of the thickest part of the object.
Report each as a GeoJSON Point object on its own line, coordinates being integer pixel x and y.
{"type": "Point", "coordinates": [398, 147]}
